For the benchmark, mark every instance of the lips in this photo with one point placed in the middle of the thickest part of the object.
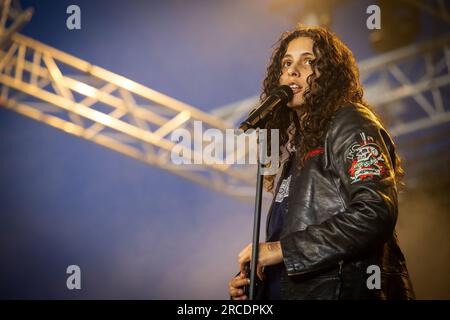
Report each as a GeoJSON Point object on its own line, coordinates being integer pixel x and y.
{"type": "Point", "coordinates": [296, 88]}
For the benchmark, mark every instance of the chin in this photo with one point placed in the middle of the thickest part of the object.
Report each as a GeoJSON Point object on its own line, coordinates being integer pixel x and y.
{"type": "Point", "coordinates": [295, 104]}
{"type": "Point", "coordinates": [297, 101]}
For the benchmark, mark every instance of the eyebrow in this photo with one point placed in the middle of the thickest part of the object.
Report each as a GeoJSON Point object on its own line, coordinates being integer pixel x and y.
{"type": "Point", "coordinates": [302, 55]}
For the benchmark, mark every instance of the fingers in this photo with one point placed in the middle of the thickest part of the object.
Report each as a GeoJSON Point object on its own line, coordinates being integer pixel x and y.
{"type": "Point", "coordinates": [235, 287]}
{"type": "Point", "coordinates": [246, 249]}
{"type": "Point", "coordinates": [242, 261]}
{"type": "Point", "coordinates": [239, 281]}
{"type": "Point", "coordinates": [242, 265]}
{"type": "Point", "coordinates": [236, 293]}
{"type": "Point", "coordinates": [244, 256]}
{"type": "Point", "coordinates": [260, 271]}
{"type": "Point", "coordinates": [236, 284]}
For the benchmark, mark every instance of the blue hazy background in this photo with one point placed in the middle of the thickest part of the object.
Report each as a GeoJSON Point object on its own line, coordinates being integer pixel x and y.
{"type": "Point", "coordinates": [134, 230]}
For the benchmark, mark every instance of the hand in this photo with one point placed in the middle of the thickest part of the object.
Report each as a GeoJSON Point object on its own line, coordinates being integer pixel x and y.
{"type": "Point", "coordinates": [235, 287]}
{"type": "Point", "coordinates": [269, 254]}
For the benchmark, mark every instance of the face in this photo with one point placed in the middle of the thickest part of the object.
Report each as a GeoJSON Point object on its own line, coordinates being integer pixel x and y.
{"type": "Point", "coordinates": [296, 66]}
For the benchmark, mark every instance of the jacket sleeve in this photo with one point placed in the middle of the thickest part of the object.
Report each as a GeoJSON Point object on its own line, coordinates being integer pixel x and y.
{"type": "Point", "coordinates": [356, 149]}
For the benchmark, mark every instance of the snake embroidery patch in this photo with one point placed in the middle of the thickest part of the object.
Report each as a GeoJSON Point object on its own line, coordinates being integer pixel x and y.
{"type": "Point", "coordinates": [367, 159]}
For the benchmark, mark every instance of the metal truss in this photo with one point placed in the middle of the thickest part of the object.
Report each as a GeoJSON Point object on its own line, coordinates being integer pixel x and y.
{"type": "Point", "coordinates": [90, 102]}
{"type": "Point", "coordinates": [424, 86]}
{"type": "Point", "coordinates": [437, 8]}
{"type": "Point", "coordinates": [389, 83]}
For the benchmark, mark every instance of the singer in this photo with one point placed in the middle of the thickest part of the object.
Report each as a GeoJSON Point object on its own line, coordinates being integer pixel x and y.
{"type": "Point", "coordinates": [330, 231]}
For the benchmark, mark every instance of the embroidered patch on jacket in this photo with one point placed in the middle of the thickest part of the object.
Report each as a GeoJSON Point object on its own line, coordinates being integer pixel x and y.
{"type": "Point", "coordinates": [367, 159]}
{"type": "Point", "coordinates": [283, 192]}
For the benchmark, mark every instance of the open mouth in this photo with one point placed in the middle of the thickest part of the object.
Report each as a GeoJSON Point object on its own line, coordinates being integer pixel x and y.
{"type": "Point", "coordinates": [295, 88]}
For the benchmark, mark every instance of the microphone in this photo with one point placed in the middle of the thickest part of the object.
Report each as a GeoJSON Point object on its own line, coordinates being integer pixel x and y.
{"type": "Point", "coordinates": [278, 97]}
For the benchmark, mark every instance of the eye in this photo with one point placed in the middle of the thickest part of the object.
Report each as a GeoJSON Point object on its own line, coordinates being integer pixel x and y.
{"type": "Point", "coordinates": [309, 61]}
{"type": "Point", "coordinates": [286, 63]}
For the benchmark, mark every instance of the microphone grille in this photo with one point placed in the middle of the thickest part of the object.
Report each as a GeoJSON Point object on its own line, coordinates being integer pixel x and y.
{"type": "Point", "coordinates": [285, 93]}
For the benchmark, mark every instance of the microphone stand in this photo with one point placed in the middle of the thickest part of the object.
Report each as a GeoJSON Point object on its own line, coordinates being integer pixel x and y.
{"type": "Point", "coordinates": [256, 223]}
{"type": "Point", "coordinates": [255, 120]}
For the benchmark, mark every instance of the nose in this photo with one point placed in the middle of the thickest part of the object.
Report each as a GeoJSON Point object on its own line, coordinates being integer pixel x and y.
{"type": "Point", "coordinates": [293, 72]}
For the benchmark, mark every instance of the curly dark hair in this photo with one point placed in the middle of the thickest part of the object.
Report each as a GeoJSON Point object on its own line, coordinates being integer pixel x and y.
{"type": "Point", "coordinates": [333, 84]}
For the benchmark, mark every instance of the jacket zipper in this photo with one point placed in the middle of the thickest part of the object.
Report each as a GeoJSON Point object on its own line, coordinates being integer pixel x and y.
{"type": "Point", "coordinates": [341, 262]}
{"type": "Point", "coordinates": [340, 267]}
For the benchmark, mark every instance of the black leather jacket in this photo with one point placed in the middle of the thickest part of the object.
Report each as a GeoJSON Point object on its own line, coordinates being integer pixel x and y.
{"type": "Point", "coordinates": [342, 211]}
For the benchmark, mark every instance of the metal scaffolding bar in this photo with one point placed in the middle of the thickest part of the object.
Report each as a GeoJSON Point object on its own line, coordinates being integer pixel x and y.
{"type": "Point", "coordinates": [33, 74]}
{"type": "Point", "coordinates": [435, 78]}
